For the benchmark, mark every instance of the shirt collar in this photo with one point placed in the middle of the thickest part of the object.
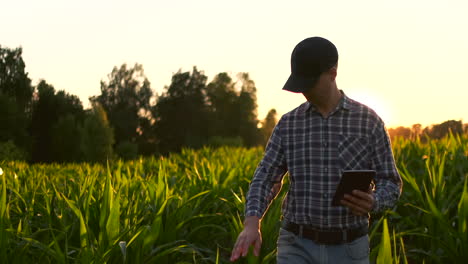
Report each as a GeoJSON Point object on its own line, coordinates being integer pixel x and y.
{"type": "Point", "coordinates": [345, 103]}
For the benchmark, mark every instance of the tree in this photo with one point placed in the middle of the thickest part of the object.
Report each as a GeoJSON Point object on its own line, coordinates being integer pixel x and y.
{"type": "Point", "coordinates": [181, 113]}
{"type": "Point", "coordinates": [126, 98]}
{"type": "Point", "coordinates": [9, 151]}
{"type": "Point", "coordinates": [191, 114]}
{"type": "Point", "coordinates": [66, 139]}
{"type": "Point", "coordinates": [443, 129]}
{"type": "Point", "coordinates": [9, 114]}
{"type": "Point", "coordinates": [15, 98]}
{"type": "Point", "coordinates": [97, 137]}
{"type": "Point", "coordinates": [127, 150]}
{"type": "Point", "coordinates": [223, 106]}
{"type": "Point", "coordinates": [48, 108]}
{"type": "Point", "coordinates": [268, 124]}
{"type": "Point", "coordinates": [14, 81]}
{"type": "Point", "coordinates": [233, 107]}
{"type": "Point", "coordinates": [247, 104]}
{"type": "Point", "coordinates": [13, 123]}
{"type": "Point", "coordinates": [399, 132]}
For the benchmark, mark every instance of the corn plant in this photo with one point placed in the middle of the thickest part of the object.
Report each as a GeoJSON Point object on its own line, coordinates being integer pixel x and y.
{"type": "Point", "coordinates": [188, 207]}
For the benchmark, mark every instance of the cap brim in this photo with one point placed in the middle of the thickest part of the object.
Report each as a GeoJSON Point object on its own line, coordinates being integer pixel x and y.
{"type": "Point", "coordinates": [298, 84]}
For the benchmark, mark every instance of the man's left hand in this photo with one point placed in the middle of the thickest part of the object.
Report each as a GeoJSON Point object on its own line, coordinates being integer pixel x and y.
{"type": "Point", "coordinates": [360, 203]}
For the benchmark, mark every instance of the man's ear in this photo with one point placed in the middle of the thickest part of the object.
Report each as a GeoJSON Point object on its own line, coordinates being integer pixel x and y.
{"type": "Point", "coordinates": [333, 72]}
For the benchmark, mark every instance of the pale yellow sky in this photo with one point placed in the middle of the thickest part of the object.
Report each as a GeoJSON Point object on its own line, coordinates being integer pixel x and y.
{"type": "Point", "coordinates": [407, 59]}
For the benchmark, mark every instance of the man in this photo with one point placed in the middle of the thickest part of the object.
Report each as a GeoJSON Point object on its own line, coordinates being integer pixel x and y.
{"type": "Point", "coordinates": [315, 143]}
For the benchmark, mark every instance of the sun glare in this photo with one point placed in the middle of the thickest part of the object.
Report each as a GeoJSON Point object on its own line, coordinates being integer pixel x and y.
{"type": "Point", "coordinates": [376, 103]}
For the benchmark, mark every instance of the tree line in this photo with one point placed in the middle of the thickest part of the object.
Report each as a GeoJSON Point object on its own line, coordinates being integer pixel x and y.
{"type": "Point", "coordinates": [436, 131]}
{"type": "Point", "coordinates": [40, 124]}
{"type": "Point", "coordinates": [127, 119]}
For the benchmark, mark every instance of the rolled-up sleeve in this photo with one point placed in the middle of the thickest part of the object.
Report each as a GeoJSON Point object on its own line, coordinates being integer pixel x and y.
{"type": "Point", "coordinates": [270, 171]}
{"type": "Point", "coordinates": [388, 183]}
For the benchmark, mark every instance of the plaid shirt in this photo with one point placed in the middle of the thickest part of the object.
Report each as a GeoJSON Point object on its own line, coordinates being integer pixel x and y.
{"type": "Point", "coordinates": [315, 150]}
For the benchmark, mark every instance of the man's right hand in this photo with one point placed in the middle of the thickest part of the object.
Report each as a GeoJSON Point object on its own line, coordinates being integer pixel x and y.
{"type": "Point", "coordinates": [251, 235]}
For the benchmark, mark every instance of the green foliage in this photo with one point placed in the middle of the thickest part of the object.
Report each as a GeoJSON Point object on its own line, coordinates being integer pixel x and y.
{"type": "Point", "coordinates": [181, 113]}
{"type": "Point", "coordinates": [14, 81]}
{"type": "Point", "coordinates": [97, 136]}
{"type": "Point", "coordinates": [385, 250]}
{"type": "Point", "coordinates": [191, 113]}
{"type": "Point", "coordinates": [436, 131]}
{"type": "Point", "coordinates": [268, 124]}
{"type": "Point", "coordinates": [127, 150]}
{"type": "Point", "coordinates": [429, 217]}
{"type": "Point", "coordinates": [158, 210]}
{"type": "Point", "coordinates": [248, 111]}
{"type": "Point", "coordinates": [15, 98]}
{"type": "Point", "coordinates": [13, 122]}
{"type": "Point", "coordinates": [443, 129]}
{"type": "Point", "coordinates": [55, 113]}
{"type": "Point", "coordinates": [223, 104]}
{"type": "Point", "coordinates": [126, 99]}
{"type": "Point", "coordinates": [9, 151]}
{"type": "Point", "coordinates": [66, 139]}
{"type": "Point", "coordinates": [225, 141]}
{"type": "Point", "coordinates": [187, 207]}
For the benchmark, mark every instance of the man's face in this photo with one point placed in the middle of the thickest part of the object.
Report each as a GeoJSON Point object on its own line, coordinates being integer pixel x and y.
{"type": "Point", "coordinates": [323, 83]}
{"type": "Point", "coordinates": [317, 86]}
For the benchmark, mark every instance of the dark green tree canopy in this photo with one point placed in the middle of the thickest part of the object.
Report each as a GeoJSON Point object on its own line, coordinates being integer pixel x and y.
{"type": "Point", "coordinates": [268, 124]}
{"type": "Point", "coordinates": [127, 119]}
{"type": "Point", "coordinates": [15, 99]}
{"type": "Point", "coordinates": [247, 103]}
{"type": "Point", "coordinates": [126, 98]}
{"type": "Point", "coordinates": [49, 107]}
{"type": "Point", "coordinates": [181, 112]}
{"type": "Point", "coordinates": [191, 113]}
{"type": "Point", "coordinates": [14, 81]}
{"type": "Point", "coordinates": [97, 137]}
{"type": "Point", "coordinates": [223, 103]}
{"type": "Point", "coordinates": [443, 129]}
{"type": "Point", "coordinates": [65, 139]}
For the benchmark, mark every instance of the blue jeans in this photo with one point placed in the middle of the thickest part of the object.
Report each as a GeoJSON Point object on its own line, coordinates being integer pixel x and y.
{"type": "Point", "coordinates": [298, 250]}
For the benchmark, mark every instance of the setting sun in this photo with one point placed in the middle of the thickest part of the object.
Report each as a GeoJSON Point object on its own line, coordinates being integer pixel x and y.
{"type": "Point", "coordinates": [375, 102]}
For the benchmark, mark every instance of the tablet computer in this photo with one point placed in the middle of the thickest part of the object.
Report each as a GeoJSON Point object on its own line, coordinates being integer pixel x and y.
{"type": "Point", "coordinates": [352, 180]}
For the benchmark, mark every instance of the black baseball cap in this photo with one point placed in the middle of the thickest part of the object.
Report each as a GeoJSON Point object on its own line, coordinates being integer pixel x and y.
{"type": "Point", "coordinates": [310, 58]}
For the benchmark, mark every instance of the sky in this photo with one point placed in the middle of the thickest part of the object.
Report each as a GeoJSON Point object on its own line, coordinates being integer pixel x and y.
{"type": "Point", "coordinates": [407, 59]}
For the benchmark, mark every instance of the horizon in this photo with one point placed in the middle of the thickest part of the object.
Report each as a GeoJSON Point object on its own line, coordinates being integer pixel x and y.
{"type": "Point", "coordinates": [406, 60]}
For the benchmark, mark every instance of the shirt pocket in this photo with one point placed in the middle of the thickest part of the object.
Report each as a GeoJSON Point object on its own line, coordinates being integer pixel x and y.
{"type": "Point", "coordinates": [354, 152]}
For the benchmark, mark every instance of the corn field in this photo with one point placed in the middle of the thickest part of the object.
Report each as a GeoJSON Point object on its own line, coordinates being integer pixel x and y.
{"type": "Point", "coordinates": [187, 208]}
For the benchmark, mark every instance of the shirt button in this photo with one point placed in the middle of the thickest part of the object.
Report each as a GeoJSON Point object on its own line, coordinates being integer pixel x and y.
{"type": "Point", "coordinates": [325, 169]}
{"type": "Point", "coordinates": [325, 195]}
{"type": "Point", "coordinates": [325, 144]}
